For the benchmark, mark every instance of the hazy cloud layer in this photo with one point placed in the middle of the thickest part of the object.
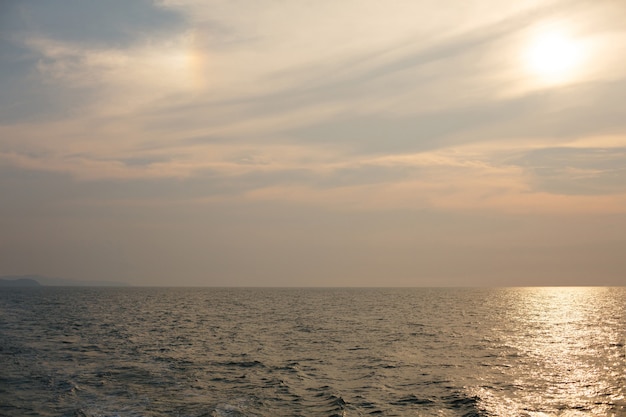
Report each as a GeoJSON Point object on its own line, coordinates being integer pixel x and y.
{"type": "Point", "coordinates": [273, 143]}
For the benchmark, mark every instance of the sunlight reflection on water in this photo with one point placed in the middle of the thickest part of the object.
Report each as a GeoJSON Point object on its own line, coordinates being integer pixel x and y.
{"type": "Point", "coordinates": [556, 332]}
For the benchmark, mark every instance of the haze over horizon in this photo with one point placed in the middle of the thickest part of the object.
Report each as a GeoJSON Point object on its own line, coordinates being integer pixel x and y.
{"type": "Point", "coordinates": [352, 143]}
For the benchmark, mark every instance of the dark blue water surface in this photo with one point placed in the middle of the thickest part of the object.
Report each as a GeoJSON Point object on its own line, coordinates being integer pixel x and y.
{"type": "Point", "coordinates": [312, 352]}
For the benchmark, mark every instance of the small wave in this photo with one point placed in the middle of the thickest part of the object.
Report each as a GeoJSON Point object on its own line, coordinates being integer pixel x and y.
{"type": "Point", "coordinates": [78, 413]}
{"type": "Point", "coordinates": [329, 402]}
{"type": "Point", "coordinates": [468, 405]}
{"type": "Point", "coordinates": [412, 399]}
{"type": "Point", "coordinates": [244, 364]}
{"type": "Point", "coordinates": [237, 407]}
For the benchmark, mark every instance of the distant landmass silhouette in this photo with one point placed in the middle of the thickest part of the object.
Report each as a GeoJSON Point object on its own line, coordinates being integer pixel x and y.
{"type": "Point", "coordinates": [38, 281]}
{"type": "Point", "coordinates": [20, 282]}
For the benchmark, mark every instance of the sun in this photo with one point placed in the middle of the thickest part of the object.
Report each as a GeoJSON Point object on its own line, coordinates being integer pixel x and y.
{"type": "Point", "coordinates": [553, 56]}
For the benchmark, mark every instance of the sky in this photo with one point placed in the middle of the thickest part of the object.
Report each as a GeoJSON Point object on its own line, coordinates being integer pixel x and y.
{"type": "Point", "coordinates": [314, 143]}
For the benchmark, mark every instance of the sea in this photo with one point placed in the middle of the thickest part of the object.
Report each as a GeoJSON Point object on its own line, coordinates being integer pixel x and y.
{"type": "Point", "coordinates": [235, 352]}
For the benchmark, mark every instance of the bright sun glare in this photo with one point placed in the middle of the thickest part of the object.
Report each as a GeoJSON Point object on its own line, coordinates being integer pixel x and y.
{"type": "Point", "coordinates": [553, 56]}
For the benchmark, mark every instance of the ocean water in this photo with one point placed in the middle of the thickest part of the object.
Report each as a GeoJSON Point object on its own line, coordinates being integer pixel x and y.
{"type": "Point", "coordinates": [312, 352]}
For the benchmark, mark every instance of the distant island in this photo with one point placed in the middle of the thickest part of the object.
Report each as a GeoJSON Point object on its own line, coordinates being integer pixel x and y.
{"type": "Point", "coordinates": [19, 282]}
{"type": "Point", "coordinates": [41, 281]}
